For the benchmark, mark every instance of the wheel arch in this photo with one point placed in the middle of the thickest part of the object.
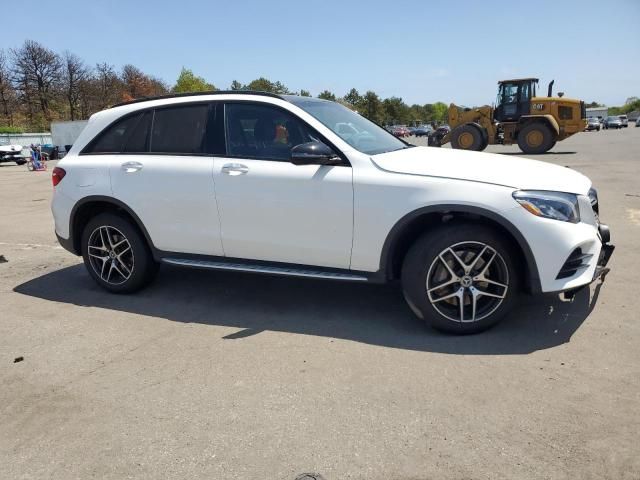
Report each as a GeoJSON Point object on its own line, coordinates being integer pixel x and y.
{"type": "Point", "coordinates": [549, 120]}
{"type": "Point", "coordinates": [414, 224]}
{"type": "Point", "coordinates": [89, 207]}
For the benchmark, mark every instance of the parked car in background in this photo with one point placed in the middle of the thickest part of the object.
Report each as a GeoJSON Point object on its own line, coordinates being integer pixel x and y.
{"type": "Point", "coordinates": [464, 232]}
{"type": "Point", "coordinates": [12, 153]}
{"type": "Point", "coordinates": [593, 124]}
{"type": "Point", "coordinates": [401, 131]}
{"type": "Point", "coordinates": [423, 131]}
{"type": "Point", "coordinates": [412, 130]}
{"type": "Point", "coordinates": [638, 122]}
{"type": "Point", "coordinates": [624, 119]}
{"type": "Point", "coordinates": [612, 122]}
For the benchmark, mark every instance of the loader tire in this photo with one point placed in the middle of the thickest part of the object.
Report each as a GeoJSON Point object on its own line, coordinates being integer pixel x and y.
{"type": "Point", "coordinates": [535, 138]}
{"type": "Point", "coordinates": [467, 137]}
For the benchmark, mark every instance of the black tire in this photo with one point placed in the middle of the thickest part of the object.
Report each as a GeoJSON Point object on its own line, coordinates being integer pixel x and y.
{"type": "Point", "coordinates": [467, 137]}
{"type": "Point", "coordinates": [20, 162]}
{"type": "Point", "coordinates": [138, 261]}
{"type": "Point", "coordinates": [424, 259]}
{"type": "Point", "coordinates": [535, 138]}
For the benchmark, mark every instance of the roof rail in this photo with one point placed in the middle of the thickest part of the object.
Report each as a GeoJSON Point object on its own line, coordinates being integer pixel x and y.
{"type": "Point", "coordinates": [193, 94]}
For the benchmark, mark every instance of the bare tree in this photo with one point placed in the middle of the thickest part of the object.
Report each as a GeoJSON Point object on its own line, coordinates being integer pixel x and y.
{"type": "Point", "coordinates": [7, 91]}
{"type": "Point", "coordinates": [74, 74]}
{"type": "Point", "coordinates": [138, 84]}
{"type": "Point", "coordinates": [37, 72]}
{"type": "Point", "coordinates": [108, 85]}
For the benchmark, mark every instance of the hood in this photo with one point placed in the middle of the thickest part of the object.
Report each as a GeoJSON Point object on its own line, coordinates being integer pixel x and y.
{"type": "Point", "coordinates": [517, 172]}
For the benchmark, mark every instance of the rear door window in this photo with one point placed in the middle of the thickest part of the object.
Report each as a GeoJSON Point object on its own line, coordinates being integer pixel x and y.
{"type": "Point", "coordinates": [138, 138]}
{"type": "Point", "coordinates": [179, 130]}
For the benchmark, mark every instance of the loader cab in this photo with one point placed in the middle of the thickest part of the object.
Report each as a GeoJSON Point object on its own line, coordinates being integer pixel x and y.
{"type": "Point", "coordinates": [514, 99]}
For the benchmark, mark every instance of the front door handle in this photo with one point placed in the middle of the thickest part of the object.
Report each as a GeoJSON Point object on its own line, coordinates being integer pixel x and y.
{"type": "Point", "coordinates": [234, 169]}
{"type": "Point", "coordinates": [131, 167]}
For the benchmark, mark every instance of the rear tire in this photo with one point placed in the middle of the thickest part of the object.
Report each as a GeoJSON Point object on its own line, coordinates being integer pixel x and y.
{"type": "Point", "coordinates": [487, 288]}
{"type": "Point", "coordinates": [535, 138]}
{"type": "Point", "coordinates": [116, 255]}
{"type": "Point", "coordinates": [20, 162]}
{"type": "Point", "coordinates": [467, 137]}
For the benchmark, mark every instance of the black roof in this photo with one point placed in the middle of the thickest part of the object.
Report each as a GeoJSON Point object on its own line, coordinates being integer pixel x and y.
{"type": "Point", "coordinates": [194, 94]}
{"type": "Point", "coordinates": [518, 80]}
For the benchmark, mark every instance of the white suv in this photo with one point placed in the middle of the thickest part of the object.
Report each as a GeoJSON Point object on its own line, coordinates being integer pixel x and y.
{"type": "Point", "coordinates": [275, 184]}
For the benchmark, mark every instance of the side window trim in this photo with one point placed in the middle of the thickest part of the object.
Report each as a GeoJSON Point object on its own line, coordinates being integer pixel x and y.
{"type": "Point", "coordinates": [140, 113]}
{"type": "Point", "coordinates": [322, 138]}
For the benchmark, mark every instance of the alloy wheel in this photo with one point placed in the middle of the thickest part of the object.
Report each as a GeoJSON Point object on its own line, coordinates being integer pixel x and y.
{"type": "Point", "coordinates": [467, 282]}
{"type": "Point", "coordinates": [110, 255]}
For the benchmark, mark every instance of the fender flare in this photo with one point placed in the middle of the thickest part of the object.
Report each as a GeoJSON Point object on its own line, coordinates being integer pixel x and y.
{"type": "Point", "coordinates": [390, 243]}
{"type": "Point", "coordinates": [548, 118]}
{"type": "Point", "coordinates": [116, 203]}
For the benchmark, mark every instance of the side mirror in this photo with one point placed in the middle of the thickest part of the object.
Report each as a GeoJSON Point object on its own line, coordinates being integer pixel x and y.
{"type": "Point", "coordinates": [314, 153]}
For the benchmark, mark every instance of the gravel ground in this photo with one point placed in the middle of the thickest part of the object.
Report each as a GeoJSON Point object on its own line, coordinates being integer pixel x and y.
{"type": "Point", "coordinates": [222, 375]}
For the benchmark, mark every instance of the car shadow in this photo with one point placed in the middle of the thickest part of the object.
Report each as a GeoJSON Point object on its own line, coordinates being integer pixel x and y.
{"type": "Point", "coordinates": [372, 314]}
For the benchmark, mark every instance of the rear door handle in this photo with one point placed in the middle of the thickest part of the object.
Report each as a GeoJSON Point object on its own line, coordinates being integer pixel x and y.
{"type": "Point", "coordinates": [234, 169]}
{"type": "Point", "coordinates": [131, 167]}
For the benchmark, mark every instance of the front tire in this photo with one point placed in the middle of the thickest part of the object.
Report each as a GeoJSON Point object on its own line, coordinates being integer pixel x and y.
{"type": "Point", "coordinates": [460, 278]}
{"type": "Point", "coordinates": [467, 137]}
{"type": "Point", "coordinates": [116, 254]}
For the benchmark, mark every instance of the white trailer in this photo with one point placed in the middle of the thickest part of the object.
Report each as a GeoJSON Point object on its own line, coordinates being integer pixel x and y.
{"type": "Point", "coordinates": [66, 133]}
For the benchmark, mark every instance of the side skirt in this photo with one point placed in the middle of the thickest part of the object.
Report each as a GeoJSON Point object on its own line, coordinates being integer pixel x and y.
{"type": "Point", "coordinates": [282, 269]}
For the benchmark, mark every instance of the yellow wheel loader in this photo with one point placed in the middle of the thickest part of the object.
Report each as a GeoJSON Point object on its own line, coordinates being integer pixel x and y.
{"type": "Point", "coordinates": [520, 116]}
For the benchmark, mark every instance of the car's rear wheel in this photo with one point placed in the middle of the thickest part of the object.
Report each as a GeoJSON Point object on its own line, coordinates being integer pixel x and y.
{"type": "Point", "coordinates": [116, 254]}
{"type": "Point", "coordinates": [460, 278]}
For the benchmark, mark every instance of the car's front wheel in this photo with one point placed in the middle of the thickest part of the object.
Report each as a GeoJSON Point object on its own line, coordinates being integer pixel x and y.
{"type": "Point", "coordinates": [460, 278]}
{"type": "Point", "coordinates": [116, 254]}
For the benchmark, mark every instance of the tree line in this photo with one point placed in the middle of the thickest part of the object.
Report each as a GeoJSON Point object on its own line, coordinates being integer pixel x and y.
{"type": "Point", "coordinates": [38, 86]}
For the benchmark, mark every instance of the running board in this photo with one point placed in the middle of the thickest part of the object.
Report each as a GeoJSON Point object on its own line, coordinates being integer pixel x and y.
{"type": "Point", "coordinates": [273, 270]}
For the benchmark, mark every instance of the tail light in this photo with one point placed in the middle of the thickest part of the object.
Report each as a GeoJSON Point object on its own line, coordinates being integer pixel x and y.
{"type": "Point", "coordinates": [57, 175]}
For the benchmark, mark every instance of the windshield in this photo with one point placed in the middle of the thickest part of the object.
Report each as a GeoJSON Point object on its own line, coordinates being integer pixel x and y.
{"type": "Point", "coordinates": [357, 131]}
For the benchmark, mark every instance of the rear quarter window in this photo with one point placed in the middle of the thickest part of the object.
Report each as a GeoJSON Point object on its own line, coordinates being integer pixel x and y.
{"type": "Point", "coordinates": [112, 139]}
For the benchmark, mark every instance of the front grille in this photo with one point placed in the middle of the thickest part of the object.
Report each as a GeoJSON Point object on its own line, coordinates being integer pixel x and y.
{"type": "Point", "coordinates": [576, 262]}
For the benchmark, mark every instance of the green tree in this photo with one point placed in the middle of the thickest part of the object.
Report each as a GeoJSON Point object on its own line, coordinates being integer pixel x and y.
{"type": "Point", "coordinates": [371, 107]}
{"type": "Point", "coordinates": [396, 111]}
{"type": "Point", "coordinates": [264, 85]}
{"type": "Point", "coordinates": [354, 98]}
{"type": "Point", "coordinates": [305, 93]}
{"type": "Point", "coordinates": [236, 85]}
{"type": "Point", "coordinates": [440, 112]}
{"type": "Point", "coordinates": [327, 95]}
{"type": "Point", "coordinates": [188, 82]}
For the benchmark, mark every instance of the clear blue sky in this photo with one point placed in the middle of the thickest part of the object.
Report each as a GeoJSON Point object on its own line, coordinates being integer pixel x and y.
{"type": "Point", "coordinates": [419, 50]}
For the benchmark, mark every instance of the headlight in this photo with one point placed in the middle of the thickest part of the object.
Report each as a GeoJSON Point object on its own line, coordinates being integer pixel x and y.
{"type": "Point", "coordinates": [556, 205]}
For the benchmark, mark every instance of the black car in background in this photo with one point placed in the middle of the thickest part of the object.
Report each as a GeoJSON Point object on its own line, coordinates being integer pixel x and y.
{"type": "Point", "coordinates": [423, 131]}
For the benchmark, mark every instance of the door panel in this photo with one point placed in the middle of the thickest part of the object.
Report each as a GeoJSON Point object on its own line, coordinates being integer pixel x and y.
{"type": "Point", "coordinates": [174, 197]}
{"type": "Point", "coordinates": [277, 211]}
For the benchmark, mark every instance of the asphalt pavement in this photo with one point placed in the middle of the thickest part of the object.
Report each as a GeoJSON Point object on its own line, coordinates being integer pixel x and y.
{"type": "Point", "coordinates": [209, 375]}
